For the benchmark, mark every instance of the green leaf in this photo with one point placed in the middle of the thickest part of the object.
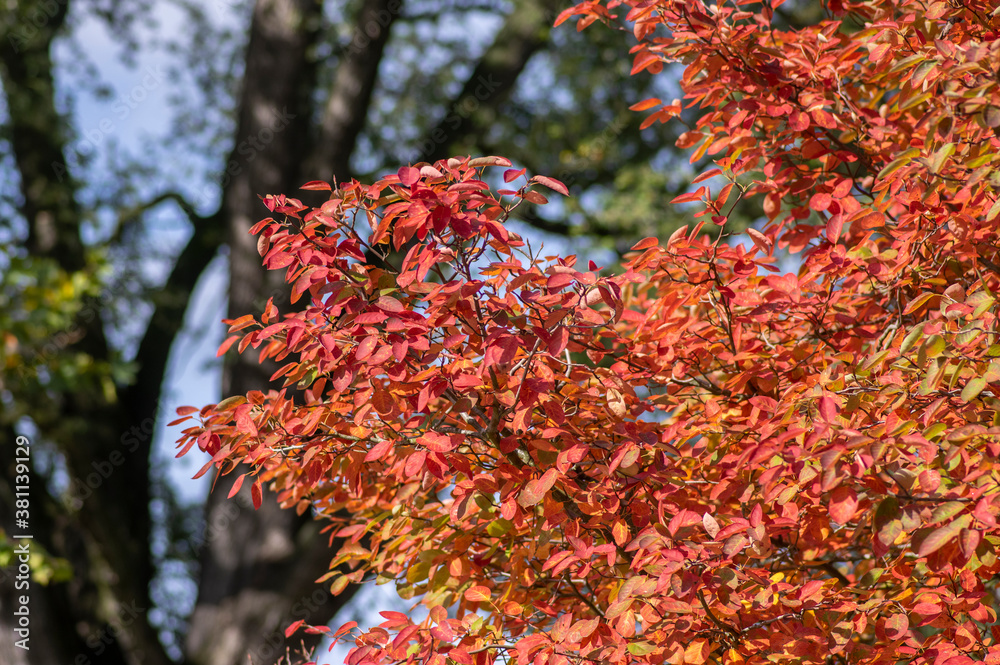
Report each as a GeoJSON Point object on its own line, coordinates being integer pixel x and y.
{"type": "Point", "coordinates": [230, 402]}
{"type": "Point", "coordinates": [968, 334]}
{"type": "Point", "coordinates": [934, 431]}
{"type": "Point", "coordinates": [875, 359]}
{"type": "Point", "coordinates": [992, 372]}
{"type": "Point", "coordinates": [982, 301]}
{"type": "Point", "coordinates": [933, 377]}
{"type": "Point", "coordinates": [641, 648]}
{"type": "Point", "coordinates": [418, 572]}
{"type": "Point", "coordinates": [911, 338]}
{"type": "Point", "coordinates": [942, 154]}
{"type": "Point", "coordinates": [499, 527]}
{"type": "Point", "coordinates": [934, 346]}
{"type": "Point", "coordinates": [898, 163]}
{"type": "Point", "coordinates": [887, 523]}
{"type": "Point", "coordinates": [993, 211]}
{"type": "Point", "coordinates": [973, 388]}
{"type": "Point", "coordinates": [947, 510]}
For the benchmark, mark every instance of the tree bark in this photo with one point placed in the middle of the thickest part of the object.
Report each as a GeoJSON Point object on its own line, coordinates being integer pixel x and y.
{"type": "Point", "coordinates": [105, 538]}
{"type": "Point", "coordinates": [524, 33]}
{"type": "Point", "coordinates": [258, 567]}
{"type": "Point", "coordinates": [346, 108]}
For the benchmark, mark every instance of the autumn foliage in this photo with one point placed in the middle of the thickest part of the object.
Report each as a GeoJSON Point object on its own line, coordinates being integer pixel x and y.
{"type": "Point", "coordinates": [699, 457]}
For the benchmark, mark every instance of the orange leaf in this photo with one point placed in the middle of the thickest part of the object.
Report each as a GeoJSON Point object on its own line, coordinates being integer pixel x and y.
{"type": "Point", "coordinates": [383, 402]}
{"type": "Point", "coordinates": [225, 345]}
{"type": "Point", "coordinates": [536, 489]}
{"type": "Point", "coordinates": [477, 594]}
{"type": "Point", "coordinates": [646, 104]}
{"type": "Point", "coordinates": [645, 243]}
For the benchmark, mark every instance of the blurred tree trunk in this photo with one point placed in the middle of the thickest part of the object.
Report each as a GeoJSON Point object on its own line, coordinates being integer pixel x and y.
{"type": "Point", "coordinates": [257, 568]}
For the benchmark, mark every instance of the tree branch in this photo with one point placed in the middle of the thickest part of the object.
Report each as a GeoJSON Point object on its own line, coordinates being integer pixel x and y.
{"type": "Point", "coordinates": [134, 214]}
{"type": "Point", "coordinates": [347, 106]}
{"type": "Point", "coordinates": [524, 33]}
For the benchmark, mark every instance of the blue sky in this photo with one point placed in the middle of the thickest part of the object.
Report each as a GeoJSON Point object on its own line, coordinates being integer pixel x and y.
{"type": "Point", "coordinates": [135, 119]}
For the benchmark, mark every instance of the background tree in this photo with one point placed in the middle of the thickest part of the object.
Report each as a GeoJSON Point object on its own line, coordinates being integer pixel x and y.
{"type": "Point", "coordinates": [95, 296]}
{"type": "Point", "coordinates": [696, 458]}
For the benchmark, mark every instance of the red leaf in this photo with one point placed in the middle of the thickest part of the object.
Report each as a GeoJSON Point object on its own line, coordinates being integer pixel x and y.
{"type": "Point", "coordinates": [820, 201]}
{"type": "Point", "coordinates": [645, 243]}
{"type": "Point", "coordinates": [942, 535]}
{"type": "Point", "coordinates": [690, 196]}
{"type": "Point", "coordinates": [389, 304]}
{"type": "Point", "coordinates": [534, 197]}
{"type": "Point", "coordinates": [552, 184]}
{"type": "Point", "coordinates": [225, 345]}
{"type": "Point", "coordinates": [379, 450]}
{"type": "Point", "coordinates": [761, 241]}
{"type": "Point", "coordinates": [927, 609]}
{"type": "Point", "coordinates": [558, 341]}
{"type": "Point", "coordinates": [833, 228]}
{"type": "Point", "coordinates": [580, 630]}
{"type": "Point", "coordinates": [317, 185]}
{"type": "Point", "coordinates": [559, 281]}
{"type": "Point", "coordinates": [711, 525]}
{"type": "Point", "coordinates": [827, 408]}
{"type": "Point", "coordinates": [408, 175]}
{"type": "Point", "coordinates": [646, 104]}
{"type": "Point", "coordinates": [346, 628]}
{"type": "Point", "coordinates": [293, 627]}
{"type": "Point", "coordinates": [843, 504]}
{"type": "Point", "coordinates": [896, 626]}
{"type": "Point", "coordinates": [798, 121]}
{"type": "Point", "coordinates": [241, 323]}
{"type": "Point", "coordinates": [236, 486]}
{"type": "Point", "coordinates": [256, 494]}
{"type": "Point", "coordinates": [969, 540]}
{"type": "Point", "coordinates": [244, 421]}
{"type": "Point", "coordinates": [512, 174]}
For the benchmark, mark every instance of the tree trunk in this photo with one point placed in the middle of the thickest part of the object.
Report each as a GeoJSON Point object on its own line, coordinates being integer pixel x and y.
{"type": "Point", "coordinates": [258, 567]}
